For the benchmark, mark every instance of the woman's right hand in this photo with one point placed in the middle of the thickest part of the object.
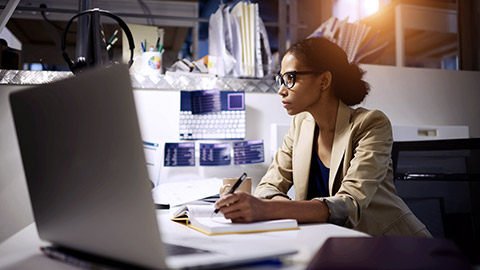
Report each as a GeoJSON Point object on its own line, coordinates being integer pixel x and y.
{"type": "Point", "coordinates": [241, 207]}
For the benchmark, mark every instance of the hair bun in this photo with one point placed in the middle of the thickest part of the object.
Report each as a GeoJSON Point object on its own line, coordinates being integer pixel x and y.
{"type": "Point", "coordinates": [321, 54]}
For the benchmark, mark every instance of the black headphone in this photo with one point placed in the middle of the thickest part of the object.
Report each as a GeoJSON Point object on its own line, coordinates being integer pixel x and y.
{"type": "Point", "coordinates": [81, 62]}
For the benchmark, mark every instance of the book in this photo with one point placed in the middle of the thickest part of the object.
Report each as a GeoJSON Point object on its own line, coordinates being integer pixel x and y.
{"type": "Point", "coordinates": [200, 218]}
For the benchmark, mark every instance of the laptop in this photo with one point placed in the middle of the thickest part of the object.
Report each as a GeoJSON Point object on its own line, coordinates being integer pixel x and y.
{"type": "Point", "coordinates": [87, 178]}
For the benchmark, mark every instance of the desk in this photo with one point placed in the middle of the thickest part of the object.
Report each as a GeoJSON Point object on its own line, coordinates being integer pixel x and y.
{"type": "Point", "coordinates": [21, 251]}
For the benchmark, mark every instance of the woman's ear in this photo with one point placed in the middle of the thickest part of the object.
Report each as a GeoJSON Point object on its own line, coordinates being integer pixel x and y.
{"type": "Point", "coordinates": [326, 80]}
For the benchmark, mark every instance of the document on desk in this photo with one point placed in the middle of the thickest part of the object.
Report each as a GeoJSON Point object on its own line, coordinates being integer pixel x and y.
{"type": "Point", "coordinates": [153, 158]}
{"type": "Point", "coordinates": [199, 217]}
{"type": "Point", "coordinates": [186, 191]}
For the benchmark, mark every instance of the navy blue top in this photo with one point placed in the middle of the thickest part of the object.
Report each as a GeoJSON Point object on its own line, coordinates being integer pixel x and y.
{"type": "Point", "coordinates": [318, 181]}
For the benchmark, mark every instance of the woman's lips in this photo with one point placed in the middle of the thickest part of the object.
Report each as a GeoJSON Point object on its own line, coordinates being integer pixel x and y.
{"type": "Point", "coordinates": [285, 104]}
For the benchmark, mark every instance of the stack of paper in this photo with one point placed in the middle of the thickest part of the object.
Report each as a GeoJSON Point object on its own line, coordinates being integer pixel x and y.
{"type": "Point", "coordinates": [238, 39]}
{"type": "Point", "coordinates": [353, 38]}
{"type": "Point", "coordinates": [185, 191]}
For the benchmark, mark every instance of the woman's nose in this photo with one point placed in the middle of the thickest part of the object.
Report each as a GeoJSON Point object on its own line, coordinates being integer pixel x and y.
{"type": "Point", "coordinates": [283, 90]}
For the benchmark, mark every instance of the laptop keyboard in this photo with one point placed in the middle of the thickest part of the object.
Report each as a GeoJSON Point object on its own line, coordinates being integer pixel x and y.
{"type": "Point", "coordinates": [172, 249]}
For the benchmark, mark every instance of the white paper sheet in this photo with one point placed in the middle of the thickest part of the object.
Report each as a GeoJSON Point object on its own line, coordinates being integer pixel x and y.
{"type": "Point", "coordinates": [182, 192]}
{"type": "Point", "coordinates": [153, 159]}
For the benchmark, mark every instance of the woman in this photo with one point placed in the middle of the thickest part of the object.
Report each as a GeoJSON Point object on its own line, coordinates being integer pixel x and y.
{"type": "Point", "coordinates": [338, 158]}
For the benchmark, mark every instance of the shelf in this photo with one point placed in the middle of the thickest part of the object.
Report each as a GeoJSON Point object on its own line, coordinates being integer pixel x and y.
{"type": "Point", "coordinates": [417, 35]}
{"type": "Point", "coordinates": [171, 81]}
{"type": "Point", "coordinates": [29, 77]}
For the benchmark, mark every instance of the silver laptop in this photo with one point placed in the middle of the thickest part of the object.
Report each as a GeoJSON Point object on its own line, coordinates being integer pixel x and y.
{"type": "Point", "coordinates": [87, 177]}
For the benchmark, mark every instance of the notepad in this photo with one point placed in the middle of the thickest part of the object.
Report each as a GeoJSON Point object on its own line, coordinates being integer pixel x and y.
{"type": "Point", "coordinates": [199, 217]}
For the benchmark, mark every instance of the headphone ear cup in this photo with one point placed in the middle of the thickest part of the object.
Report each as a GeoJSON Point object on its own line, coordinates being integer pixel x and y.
{"type": "Point", "coordinates": [79, 66]}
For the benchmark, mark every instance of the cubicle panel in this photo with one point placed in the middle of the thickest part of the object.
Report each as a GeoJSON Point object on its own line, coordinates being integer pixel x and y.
{"type": "Point", "coordinates": [425, 97]}
{"type": "Point", "coordinates": [158, 112]}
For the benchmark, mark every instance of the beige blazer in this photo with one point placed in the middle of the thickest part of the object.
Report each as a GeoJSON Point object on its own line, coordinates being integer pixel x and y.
{"type": "Point", "coordinates": [361, 188]}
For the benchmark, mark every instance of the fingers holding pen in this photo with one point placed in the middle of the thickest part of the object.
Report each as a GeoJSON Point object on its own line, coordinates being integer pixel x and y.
{"type": "Point", "coordinates": [232, 207]}
{"type": "Point", "coordinates": [241, 207]}
{"type": "Point", "coordinates": [226, 201]}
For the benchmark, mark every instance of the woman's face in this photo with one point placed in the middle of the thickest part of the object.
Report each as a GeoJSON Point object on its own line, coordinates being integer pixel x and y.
{"type": "Point", "coordinates": [305, 92]}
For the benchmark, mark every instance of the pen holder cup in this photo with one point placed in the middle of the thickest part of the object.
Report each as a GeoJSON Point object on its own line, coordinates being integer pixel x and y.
{"type": "Point", "coordinates": [147, 64]}
{"type": "Point", "coordinates": [228, 183]}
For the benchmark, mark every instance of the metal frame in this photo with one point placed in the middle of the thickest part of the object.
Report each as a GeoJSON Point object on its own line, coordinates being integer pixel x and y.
{"type": "Point", "coordinates": [170, 81]}
{"type": "Point", "coordinates": [431, 19]}
{"type": "Point", "coordinates": [7, 13]}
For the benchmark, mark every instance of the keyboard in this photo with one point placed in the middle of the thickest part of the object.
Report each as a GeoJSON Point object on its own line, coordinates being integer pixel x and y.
{"type": "Point", "coordinates": [228, 125]}
{"type": "Point", "coordinates": [172, 249]}
{"type": "Point", "coordinates": [212, 115]}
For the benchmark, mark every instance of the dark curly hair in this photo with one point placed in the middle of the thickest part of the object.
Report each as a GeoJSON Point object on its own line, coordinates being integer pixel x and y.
{"type": "Point", "coordinates": [320, 54]}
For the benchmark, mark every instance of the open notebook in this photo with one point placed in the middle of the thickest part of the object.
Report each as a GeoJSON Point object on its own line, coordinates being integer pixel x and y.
{"type": "Point", "coordinates": [199, 217]}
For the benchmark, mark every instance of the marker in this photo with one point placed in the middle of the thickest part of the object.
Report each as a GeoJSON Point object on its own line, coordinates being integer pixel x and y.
{"type": "Point", "coordinates": [109, 46]}
{"type": "Point", "coordinates": [113, 36]}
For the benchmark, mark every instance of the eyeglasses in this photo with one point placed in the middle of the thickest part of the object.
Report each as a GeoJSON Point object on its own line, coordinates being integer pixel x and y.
{"type": "Point", "coordinates": [288, 78]}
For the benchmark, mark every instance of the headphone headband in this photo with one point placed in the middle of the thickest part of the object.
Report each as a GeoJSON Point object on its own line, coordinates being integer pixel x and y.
{"type": "Point", "coordinates": [123, 25]}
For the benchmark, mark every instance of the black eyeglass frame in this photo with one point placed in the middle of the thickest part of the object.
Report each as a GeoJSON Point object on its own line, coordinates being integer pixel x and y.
{"type": "Point", "coordinates": [280, 81]}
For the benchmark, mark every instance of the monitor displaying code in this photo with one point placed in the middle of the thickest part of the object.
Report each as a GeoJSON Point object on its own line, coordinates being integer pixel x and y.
{"type": "Point", "coordinates": [209, 101]}
{"type": "Point", "coordinates": [248, 152]}
{"type": "Point", "coordinates": [201, 101]}
{"type": "Point", "coordinates": [214, 154]}
{"type": "Point", "coordinates": [234, 100]}
{"type": "Point", "coordinates": [179, 154]}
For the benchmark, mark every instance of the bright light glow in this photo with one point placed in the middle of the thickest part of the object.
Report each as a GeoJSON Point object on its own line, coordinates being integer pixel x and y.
{"type": "Point", "coordinates": [346, 8]}
{"type": "Point", "coordinates": [370, 7]}
{"type": "Point", "coordinates": [355, 9]}
{"type": "Point", "coordinates": [36, 66]}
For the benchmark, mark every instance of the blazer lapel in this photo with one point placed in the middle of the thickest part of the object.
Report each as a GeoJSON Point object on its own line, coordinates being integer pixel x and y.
{"type": "Point", "coordinates": [302, 158]}
{"type": "Point", "coordinates": [342, 131]}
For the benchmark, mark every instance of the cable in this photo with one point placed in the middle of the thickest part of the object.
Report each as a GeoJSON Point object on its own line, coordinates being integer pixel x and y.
{"type": "Point", "coordinates": [146, 10]}
{"type": "Point", "coordinates": [44, 6]}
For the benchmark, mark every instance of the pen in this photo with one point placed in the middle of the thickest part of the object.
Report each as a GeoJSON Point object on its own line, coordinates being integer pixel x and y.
{"type": "Point", "coordinates": [235, 186]}
{"type": "Point", "coordinates": [158, 42]}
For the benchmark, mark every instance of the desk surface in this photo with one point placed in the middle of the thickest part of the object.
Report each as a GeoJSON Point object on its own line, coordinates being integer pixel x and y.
{"type": "Point", "coordinates": [21, 251]}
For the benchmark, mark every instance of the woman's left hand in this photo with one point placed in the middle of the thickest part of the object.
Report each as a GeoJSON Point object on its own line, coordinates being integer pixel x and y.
{"type": "Point", "coordinates": [241, 207]}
